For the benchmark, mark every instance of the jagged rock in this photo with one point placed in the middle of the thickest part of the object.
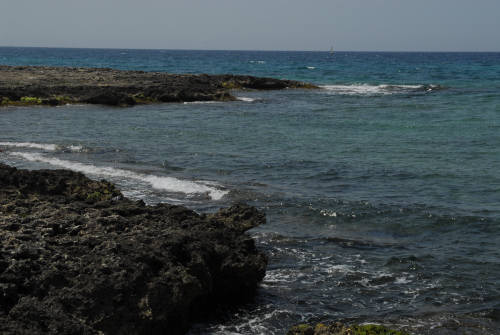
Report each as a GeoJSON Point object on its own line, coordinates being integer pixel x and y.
{"type": "Point", "coordinates": [76, 257]}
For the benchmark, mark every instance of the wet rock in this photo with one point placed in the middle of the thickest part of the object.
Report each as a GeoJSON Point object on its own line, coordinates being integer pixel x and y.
{"type": "Point", "coordinates": [111, 98]}
{"type": "Point", "coordinates": [76, 257]}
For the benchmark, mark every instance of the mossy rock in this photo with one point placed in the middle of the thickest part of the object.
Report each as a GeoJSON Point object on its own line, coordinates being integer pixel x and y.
{"type": "Point", "coordinates": [94, 196]}
{"type": "Point", "coordinates": [94, 191]}
{"type": "Point", "coordinates": [341, 329]}
{"type": "Point", "coordinates": [31, 100]}
{"type": "Point", "coordinates": [302, 329]}
{"type": "Point", "coordinates": [374, 330]}
{"type": "Point", "coordinates": [140, 98]}
{"type": "Point", "coordinates": [230, 85]}
{"type": "Point", "coordinates": [28, 101]}
{"type": "Point", "coordinates": [100, 195]}
{"type": "Point", "coordinates": [5, 101]}
{"type": "Point", "coordinates": [64, 99]}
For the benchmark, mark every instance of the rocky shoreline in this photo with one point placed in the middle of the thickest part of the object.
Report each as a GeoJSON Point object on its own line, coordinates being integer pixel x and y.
{"type": "Point", "coordinates": [44, 85]}
{"type": "Point", "coordinates": [77, 257]}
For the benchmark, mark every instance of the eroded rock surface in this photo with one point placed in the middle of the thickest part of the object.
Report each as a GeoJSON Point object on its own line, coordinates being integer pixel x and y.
{"type": "Point", "coordinates": [36, 85]}
{"type": "Point", "coordinates": [76, 257]}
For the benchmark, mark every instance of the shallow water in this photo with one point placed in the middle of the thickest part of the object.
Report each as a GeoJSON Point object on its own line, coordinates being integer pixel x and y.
{"type": "Point", "coordinates": [381, 190]}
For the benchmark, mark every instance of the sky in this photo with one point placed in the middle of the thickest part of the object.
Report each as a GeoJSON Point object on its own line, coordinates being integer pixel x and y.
{"type": "Point", "coordinates": [348, 25]}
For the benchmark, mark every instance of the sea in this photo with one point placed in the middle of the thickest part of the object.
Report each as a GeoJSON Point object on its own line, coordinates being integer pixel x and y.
{"type": "Point", "coordinates": [381, 188]}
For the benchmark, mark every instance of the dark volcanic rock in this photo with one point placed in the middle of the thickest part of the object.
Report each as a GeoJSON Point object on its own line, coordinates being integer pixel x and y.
{"type": "Point", "coordinates": [111, 98]}
{"type": "Point", "coordinates": [34, 85]}
{"type": "Point", "coordinates": [77, 257]}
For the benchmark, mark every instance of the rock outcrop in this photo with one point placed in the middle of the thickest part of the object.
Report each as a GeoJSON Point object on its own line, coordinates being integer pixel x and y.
{"type": "Point", "coordinates": [43, 85]}
{"type": "Point", "coordinates": [76, 257]}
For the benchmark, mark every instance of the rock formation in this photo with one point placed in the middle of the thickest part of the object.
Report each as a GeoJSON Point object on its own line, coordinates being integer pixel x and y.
{"type": "Point", "coordinates": [76, 257]}
{"type": "Point", "coordinates": [43, 85]}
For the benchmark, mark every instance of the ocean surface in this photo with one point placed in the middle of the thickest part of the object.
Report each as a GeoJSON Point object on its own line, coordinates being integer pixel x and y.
{"type": "Point", "coordinates": [382, 189]}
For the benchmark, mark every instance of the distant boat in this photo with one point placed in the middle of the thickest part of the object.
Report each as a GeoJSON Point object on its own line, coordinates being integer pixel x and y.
{"type": "Point", "coordinates": [331, 50]}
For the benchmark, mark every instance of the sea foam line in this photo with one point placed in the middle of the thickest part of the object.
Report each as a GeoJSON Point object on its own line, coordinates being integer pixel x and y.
{"type": "Point", "coordinates": [200, 102]}
{"type": "Point", "coordinates": [41, 146]}
{"type": "Point", "coordinates": [161, 183]}
{"type": "Point", "coordinates": [246, 99]}
{"type": "Point", "coordinates": [367, 89]}
{"type": "Point", "coordinates": [47, 147]}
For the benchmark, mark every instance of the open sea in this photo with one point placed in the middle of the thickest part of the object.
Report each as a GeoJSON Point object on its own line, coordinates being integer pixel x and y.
{"type": "Point", "coordinates": [382, 189]}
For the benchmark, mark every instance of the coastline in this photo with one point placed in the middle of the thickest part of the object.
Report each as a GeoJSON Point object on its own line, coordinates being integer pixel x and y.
{"type": "Point", "coordinates": [78, 257]}
{"type": "Point", "coordinates": [46, 85]}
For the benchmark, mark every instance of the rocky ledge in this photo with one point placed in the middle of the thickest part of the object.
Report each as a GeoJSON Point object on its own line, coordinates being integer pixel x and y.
{"type": "Point", "coordinates": [42, 85]}
{"type": "Point", "coordinates": [76, 257]}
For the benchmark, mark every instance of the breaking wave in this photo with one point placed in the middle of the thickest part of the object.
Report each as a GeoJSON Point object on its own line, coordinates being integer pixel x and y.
{"type": "Point", "coordinates": [246, 99]}
{"type": "Point", "coordinates": [160, 183]}
{"type": "Point", "coordinates": [200, 102]}
{"type": "Point", "coordinates": [367, 89]}
{"type": "Point", "coordinates": [41, 146]}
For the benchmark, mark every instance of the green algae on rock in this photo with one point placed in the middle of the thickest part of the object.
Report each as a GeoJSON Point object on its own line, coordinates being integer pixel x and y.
{"type": "Point", "coordinates": [339, 328]}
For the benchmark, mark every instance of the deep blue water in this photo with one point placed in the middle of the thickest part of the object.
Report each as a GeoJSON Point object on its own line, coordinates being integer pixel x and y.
{"type": "Point", "coordinates": [382, 189]}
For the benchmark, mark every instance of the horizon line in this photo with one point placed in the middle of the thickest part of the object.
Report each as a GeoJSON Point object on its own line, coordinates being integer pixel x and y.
{"type": "Point", "coordinates": [255, 50]}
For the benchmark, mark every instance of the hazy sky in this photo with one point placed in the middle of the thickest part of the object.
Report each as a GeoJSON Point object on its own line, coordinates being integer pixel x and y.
{"type": "Point", "coordinates": [392, 25]}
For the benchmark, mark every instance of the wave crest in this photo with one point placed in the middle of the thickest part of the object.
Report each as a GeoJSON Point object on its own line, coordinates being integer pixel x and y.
{"type": "Point", "coordinates": [383, 89]}
{"type": "Point", "coordinates": [42, 146]}
{"type": "Point", "coordinates": [160, 183]}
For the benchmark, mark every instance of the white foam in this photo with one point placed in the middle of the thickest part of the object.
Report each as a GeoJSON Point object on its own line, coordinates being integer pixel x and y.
{"type": "Point", "coordinates": [47, 147]}
{"type": "Point", "coordinates": [310, 67]}
{"type": "Point", "coordinates": [339, 268]}
{"type": "Point", "coordinates": [41, 146]}
{"type": "Point", "coordinates": [402, 280]}
{"type": "Point", "coordinates": [367, 89]}
{"type": "Point", "coordinates": [161, 183]}
{"type": "Point", "coordinates": [280, 276]}
{"type": "Point", "coordinates": [246, 99]}
{"type": "Point", "coordinates": [75, 148]}
{"type": "Point", "coordinates": [200, 102]}
{"type": "Point", "coordinates": [258, 62]}
{"type": "Point", "coordinates": [326, 212]}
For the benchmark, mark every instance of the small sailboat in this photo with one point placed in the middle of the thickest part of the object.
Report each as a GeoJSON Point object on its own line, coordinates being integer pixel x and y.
{"type": "Point", "coordinates": [331, 50]}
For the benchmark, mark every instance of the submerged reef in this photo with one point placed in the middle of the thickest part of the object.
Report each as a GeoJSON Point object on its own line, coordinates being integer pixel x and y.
{"type": "Point", "coordinates": [76, 257]}
{"type": "Point", "coordinates": [44, 85]}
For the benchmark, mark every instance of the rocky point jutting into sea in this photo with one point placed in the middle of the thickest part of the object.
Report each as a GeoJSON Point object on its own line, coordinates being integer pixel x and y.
{"type": "Point", "coordinates": [43, 85]}
{"type": "Point", "coordinates": [78, 258]}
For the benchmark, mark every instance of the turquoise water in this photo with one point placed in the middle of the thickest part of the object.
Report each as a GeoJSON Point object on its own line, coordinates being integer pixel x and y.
{"type": "Point", "coordinates": [382, 189]}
